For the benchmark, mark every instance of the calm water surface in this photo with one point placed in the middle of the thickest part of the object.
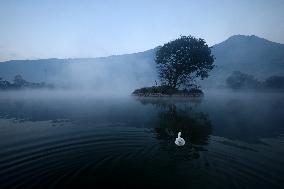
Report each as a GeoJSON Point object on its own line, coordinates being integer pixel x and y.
{"type": "Point", "coordinates": [233, 140]}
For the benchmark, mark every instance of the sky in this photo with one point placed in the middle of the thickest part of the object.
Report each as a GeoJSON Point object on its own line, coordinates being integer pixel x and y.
{"type": "Point", "coordinates": [33, 29]}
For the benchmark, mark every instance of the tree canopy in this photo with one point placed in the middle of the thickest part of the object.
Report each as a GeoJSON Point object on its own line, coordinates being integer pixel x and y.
{"type": "Point", "coordinates": [181, 61]}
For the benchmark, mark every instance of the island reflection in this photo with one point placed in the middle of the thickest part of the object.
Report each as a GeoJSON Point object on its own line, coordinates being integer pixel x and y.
{"type": "Point", "coordinates": [180, 115]}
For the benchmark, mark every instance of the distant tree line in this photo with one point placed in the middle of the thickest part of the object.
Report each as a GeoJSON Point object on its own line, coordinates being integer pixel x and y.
{"type": "Point", "coordinates": [239, 80]}
{"type": "Point", "coordinates": [20, 83]}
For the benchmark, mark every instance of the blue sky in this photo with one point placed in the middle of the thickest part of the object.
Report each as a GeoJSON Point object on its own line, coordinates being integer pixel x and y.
{"type": "Point", "coordinates": [32, 29]}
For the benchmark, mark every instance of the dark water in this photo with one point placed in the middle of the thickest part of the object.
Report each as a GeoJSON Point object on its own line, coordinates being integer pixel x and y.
{"type": "Point", "coordinates": [233, 140]}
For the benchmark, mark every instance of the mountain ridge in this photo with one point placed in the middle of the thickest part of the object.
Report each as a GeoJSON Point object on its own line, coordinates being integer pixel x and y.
{"type": "Point", "coordinates": [249, 54]}
{"type": "Point", "coordinates": [233, 37]}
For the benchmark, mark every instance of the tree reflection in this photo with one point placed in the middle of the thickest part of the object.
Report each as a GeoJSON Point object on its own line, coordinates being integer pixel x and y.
{"type": "Point", "coordinates": [175, 115]}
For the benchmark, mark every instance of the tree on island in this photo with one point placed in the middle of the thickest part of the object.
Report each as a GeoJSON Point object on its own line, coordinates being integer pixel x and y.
{"type": "Point", "coordinates": [183, 60]}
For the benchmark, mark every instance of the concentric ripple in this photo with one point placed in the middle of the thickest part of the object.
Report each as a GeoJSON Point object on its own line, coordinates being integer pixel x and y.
{"type": "Point", "coordinates": [63, 158]}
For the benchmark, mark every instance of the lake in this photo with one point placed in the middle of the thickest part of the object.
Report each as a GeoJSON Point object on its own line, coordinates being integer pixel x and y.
{"type": "Point", "coordinates": [80, 140]}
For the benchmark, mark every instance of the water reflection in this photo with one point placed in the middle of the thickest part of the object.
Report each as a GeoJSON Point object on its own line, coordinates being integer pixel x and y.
{"type": "Point", "coordinates": [31, 110]}
{"type": "Point", "coordinates": [239, 117]}
{"type": "Point", "coordinates": [124, 140]}
{"type": "Point", "coordinates": [177, 115]}
{"type": "Point", "coordinates": [246, 117]}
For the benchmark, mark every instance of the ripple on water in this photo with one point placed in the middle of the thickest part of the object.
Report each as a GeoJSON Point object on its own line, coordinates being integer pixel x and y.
{"type": "Point", "coordinates": [80, 157]}
{"type": "Point", "coordinates": [69, 156]}
{"type": "Point", "coordinates": [246, 166]}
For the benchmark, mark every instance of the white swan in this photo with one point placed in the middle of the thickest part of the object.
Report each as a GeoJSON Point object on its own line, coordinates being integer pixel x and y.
{"type": "Point", "coordinates": [179, 141]}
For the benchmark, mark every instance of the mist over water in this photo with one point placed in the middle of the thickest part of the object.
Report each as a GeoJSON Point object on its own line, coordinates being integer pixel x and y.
{"type": "Point", "coordinates": [94, 94]}
{"type": "Point", "coordinates": [111, 78]}
{"type": "Point", "coordinates": [114, 75]}
{"type": "Point", "coordinates": [68, 138]}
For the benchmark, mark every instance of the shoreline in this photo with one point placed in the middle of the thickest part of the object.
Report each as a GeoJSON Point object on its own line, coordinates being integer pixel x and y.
{"type": "Point", "coordinates": [168, 95]}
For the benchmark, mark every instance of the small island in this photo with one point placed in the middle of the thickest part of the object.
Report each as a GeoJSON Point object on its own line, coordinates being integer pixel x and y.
{"type": "Point", "coordinates": [164, 91]}
{"type": "Point", "coordinates": [180, 62]}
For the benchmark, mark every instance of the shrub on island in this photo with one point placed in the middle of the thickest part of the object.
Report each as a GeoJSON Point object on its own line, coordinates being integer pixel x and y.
{"type": "Point", "coordinates": [164, 90]}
